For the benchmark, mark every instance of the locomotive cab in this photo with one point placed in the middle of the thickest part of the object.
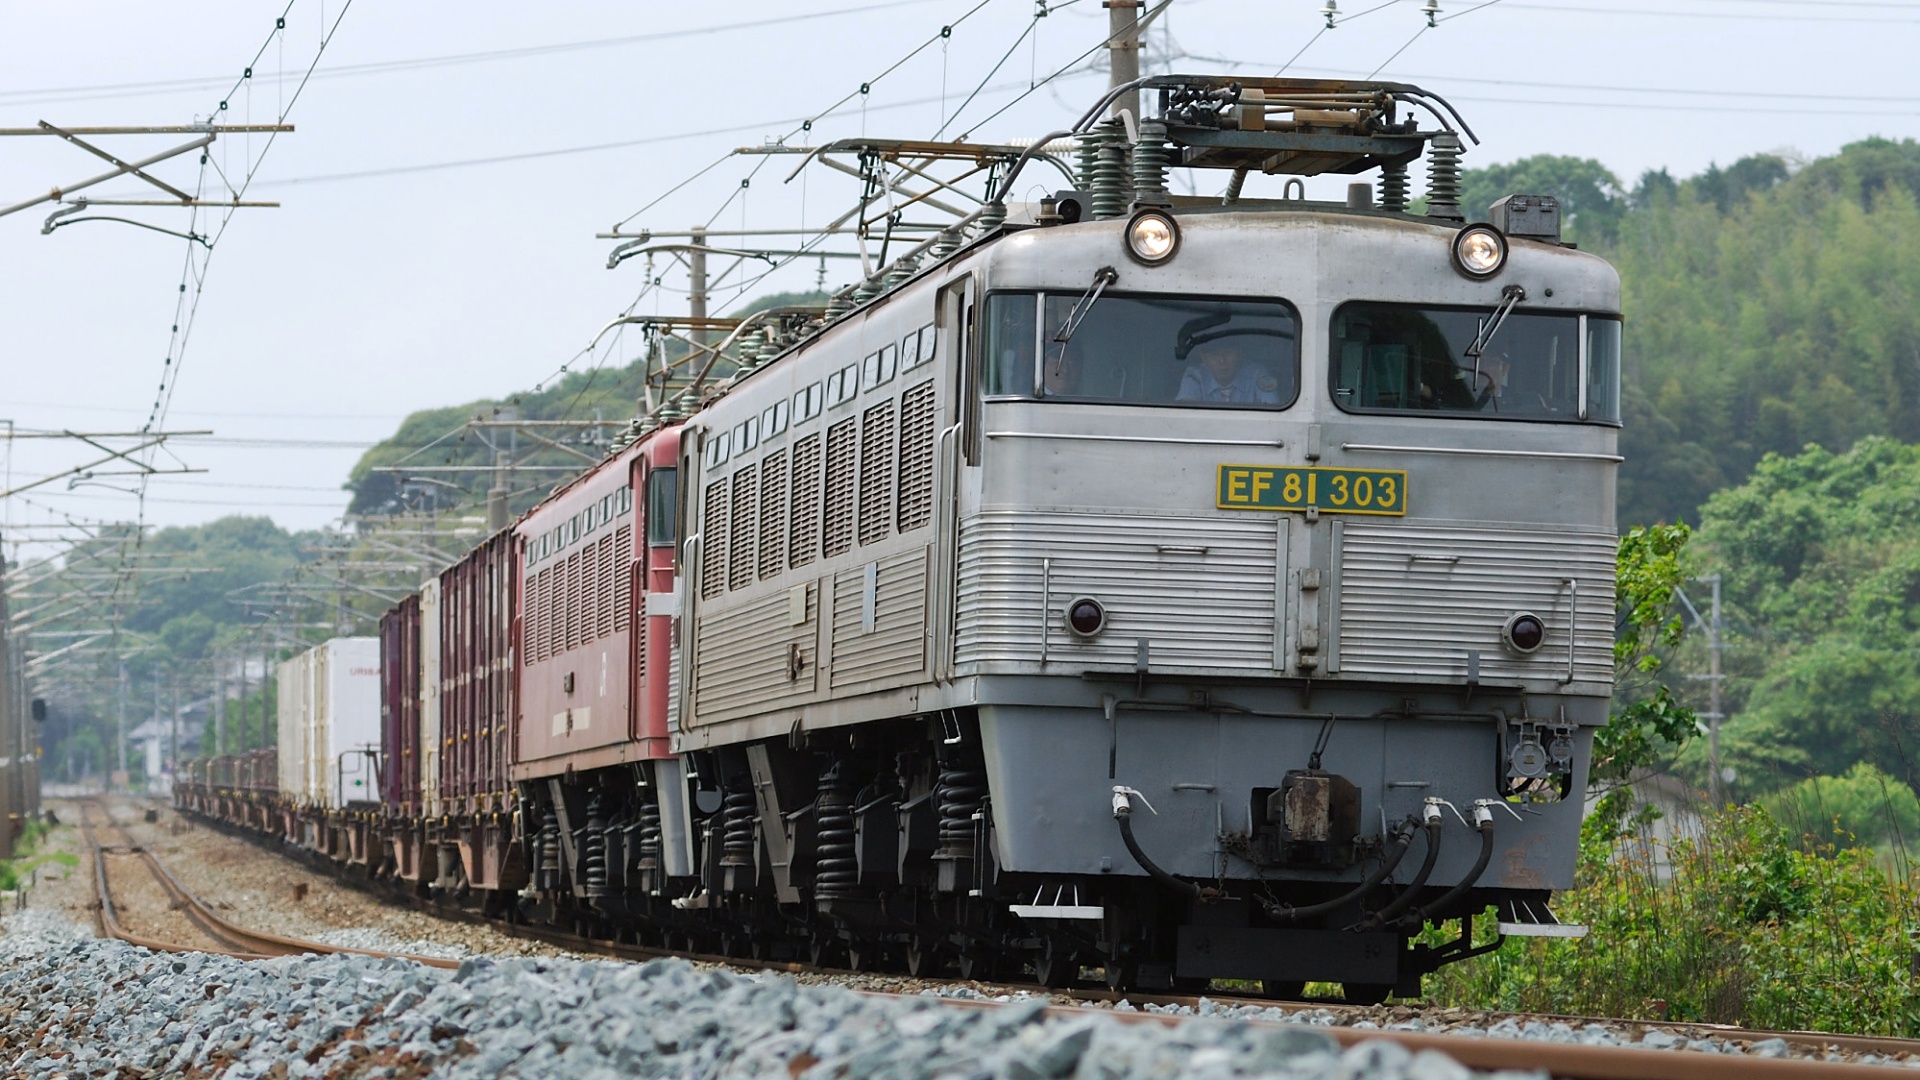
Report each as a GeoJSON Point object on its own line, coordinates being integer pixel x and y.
{"type": "Point", "coordinates": [1338, 482]}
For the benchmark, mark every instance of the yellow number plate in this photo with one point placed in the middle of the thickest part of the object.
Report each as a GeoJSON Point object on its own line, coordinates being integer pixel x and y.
{"type": "Point", "coordinates": [1334, 491]}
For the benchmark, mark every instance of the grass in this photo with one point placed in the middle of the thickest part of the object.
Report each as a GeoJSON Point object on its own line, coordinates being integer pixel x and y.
{"type": "Point", "coordinates": [27, 856]}
{"type": "Point", "coordinates": [1749, 924]}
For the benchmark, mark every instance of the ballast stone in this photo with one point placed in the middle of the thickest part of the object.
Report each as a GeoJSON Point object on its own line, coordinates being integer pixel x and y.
{"type": "Point", "coordinates": [108, 1009]}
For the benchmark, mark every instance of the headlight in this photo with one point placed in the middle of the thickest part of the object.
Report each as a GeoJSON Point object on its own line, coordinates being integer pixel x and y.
{"type": "Point", "coordinates": [1479, 251]}
{"type": "Point", "coordinates": [1524, 632]}
{"type": "Point", "coordinates": [1086, 616]}
{"type": "Point", "coordinates": [1152, 237]}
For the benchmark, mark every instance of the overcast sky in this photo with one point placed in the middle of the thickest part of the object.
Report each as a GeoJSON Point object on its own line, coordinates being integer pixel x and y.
{"type": "Point", "coordinates": [452, 163]}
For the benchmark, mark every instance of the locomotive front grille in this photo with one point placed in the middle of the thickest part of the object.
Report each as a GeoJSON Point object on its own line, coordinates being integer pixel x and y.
{"type": "Point", "coordinates": [1415, 599]}
{"type": "Point", "coordinates": [1200, 590]}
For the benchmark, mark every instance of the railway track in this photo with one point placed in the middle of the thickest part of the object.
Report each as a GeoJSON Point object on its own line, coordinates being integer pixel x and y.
{"type": "Point", "coordinates": [221, 936]}
{"type": "Point", "coordinates": [1561, 1060]}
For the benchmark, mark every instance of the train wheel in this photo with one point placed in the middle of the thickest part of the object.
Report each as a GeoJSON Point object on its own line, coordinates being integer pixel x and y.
{"type": "Point", "coordinates": [1365, 993]}
{"type": "Point", "coordinates": [923, 959]}
{"type": "Point", "coordinates": [861, 955]}
{"type": "Point", "coordinates": [977, 966]}
{"type": "Point", "coordinates": [823, 951]}
{"type": "Point", "coordinates": [1055, 965]}
{"type": "Point", "coordinates": [1282, 990]}
{"type": "Point", "coordinates": [1120, 975]}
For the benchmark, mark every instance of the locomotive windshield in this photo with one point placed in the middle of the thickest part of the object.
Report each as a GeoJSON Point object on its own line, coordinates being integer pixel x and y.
{"type": "Point", "coordinates": [1144, 350]}
{"type": "Point", "coordinates": [1402, 358]}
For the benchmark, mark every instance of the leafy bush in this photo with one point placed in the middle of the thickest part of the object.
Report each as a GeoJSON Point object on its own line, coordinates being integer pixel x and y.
{"type": "Point", "coordinates": [1740, 926]}
{"type": "Point", "coordinates": [1865, 806]}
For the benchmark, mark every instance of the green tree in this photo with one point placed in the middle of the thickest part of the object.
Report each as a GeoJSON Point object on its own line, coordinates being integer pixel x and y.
{"type": "Point", "coordinates": [1819, 555]}
{"type": "Point", "coordinates": [1766, 311]}
{"type": "Point", "coordinates": [1647, 722]}
{"type": "Point", "coordinates": [1862, 807]}
{"type": "Point", "coordinates": [1591, 199]}
{"type": "Point", "coordinates": [432, 437]}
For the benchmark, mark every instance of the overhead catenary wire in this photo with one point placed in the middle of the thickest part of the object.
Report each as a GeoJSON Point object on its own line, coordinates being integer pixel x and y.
{"type": "Point", "coordinates": [1719, 15]}
{"type": "Point", "coordinates": [864, 89]}
{"type": "Point", "coordinates": [1398, 51]}
{"type": "Point", "coordinates": [59, 95]}
{"type": "Point", "coordinates": [1103, 43]}
{"type": "Point", "coordinates": [1041, 11]}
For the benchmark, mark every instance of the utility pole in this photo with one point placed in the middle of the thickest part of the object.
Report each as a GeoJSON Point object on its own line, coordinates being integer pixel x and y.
{"type": "Point", "coordinates": [266, 680]}
{"type": "Point", "coordinates": [242, 740]}
{"type": "Point", "coordinates": [173, 703]}
{"type": "Point", "coordinates": [120, 725]}
{"type": "Point", "coordinates": [497, 494]}
{"type": "Point", "coordinates": [1123, 52]}
{"type": "Point", "coordinates": [156, 704]}
{"type": "Point", "coordinates": [1716, 680]}
{"type": "Point", "coordinates": [697, 280]}
{"type": "Point", "coordinates": [219, 707]}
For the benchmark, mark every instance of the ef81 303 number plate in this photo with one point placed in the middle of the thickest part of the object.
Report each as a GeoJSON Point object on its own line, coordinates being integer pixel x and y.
{"type": "Point", "coordinates": [1333, 491]}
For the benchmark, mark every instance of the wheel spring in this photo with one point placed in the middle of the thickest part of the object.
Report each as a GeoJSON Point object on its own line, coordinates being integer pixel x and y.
{"type": "Point", "coordinates": [549, 845]}
{"type": "Point", "coordinates": [1393, 188]}
{"type": "Point", "coordinates": [736, 847]}
{"type": "Point", "coordinates": [836, 869]}
{"type": "Point", "coordinates": [962, 794]}
{"type": "Point", "coordinates": [650, 837]}
{"type": "Point", "coordinates": [593, 848]}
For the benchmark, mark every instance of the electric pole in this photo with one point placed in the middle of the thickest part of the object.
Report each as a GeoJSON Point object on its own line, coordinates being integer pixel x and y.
{"type": "Point", "coordinates": [498, 494]}
{"type": "Point", "coordinates": [1714, 682]}
{"type": "Point", "coordinates": [156, 707]}
{"type": "Point", "coordinates": [120, 726]}
{"type": "Point", "coordinates": [173, 703]}
{"type": "Point", "coordinates": [219, 707]}
{"type": "Point", "coordinates": [1123, 52]}
{"type": "Point", "coordinates": [1716, 711]}
{"type": "Point", "coordinates": [697, 280]}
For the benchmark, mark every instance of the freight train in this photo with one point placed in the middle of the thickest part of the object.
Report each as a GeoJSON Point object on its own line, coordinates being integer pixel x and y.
{"type": "Point", "coordinates": [1155, 587]}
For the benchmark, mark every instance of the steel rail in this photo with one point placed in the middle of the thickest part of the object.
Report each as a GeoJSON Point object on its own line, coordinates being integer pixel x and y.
{"type": "Point", "coordinates": [234, 940]}
{"type": "Point", "coordinates": [1560, 1060]}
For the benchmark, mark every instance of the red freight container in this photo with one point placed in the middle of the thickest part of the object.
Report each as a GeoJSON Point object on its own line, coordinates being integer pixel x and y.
{"type": "Point", "coordinates": [266, 770]}
{"type": "Point", "coordinates": [477, 678]}
{"type": "Point", "coordinates": [400, 707]}
{"type": "Point", "coordinates": [593, 674]}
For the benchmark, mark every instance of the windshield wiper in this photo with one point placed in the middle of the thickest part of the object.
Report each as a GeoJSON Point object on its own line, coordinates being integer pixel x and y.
{"type": "Point", "coordinates": [1102, 278]}
{"type": "Point", "coordinates": [1509, 298]}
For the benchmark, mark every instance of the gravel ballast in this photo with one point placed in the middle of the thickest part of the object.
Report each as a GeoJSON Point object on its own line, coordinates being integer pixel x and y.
{"type": "Point", "coordinates": [71, 1006]}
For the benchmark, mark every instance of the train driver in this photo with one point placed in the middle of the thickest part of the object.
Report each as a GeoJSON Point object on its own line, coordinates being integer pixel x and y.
{"type": "Point", "coordinates": [1222, 376]}
{"type": "Point", "coordinates": [1489, 378]}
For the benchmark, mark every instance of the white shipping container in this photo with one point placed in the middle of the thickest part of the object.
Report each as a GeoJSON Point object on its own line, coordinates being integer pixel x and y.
{"type": "Point", "coordinates": [430, 695]}
{"type": "Point", "coordinates": [330, 724]}
{"type": "Point", "coordinates": [294, 706]}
